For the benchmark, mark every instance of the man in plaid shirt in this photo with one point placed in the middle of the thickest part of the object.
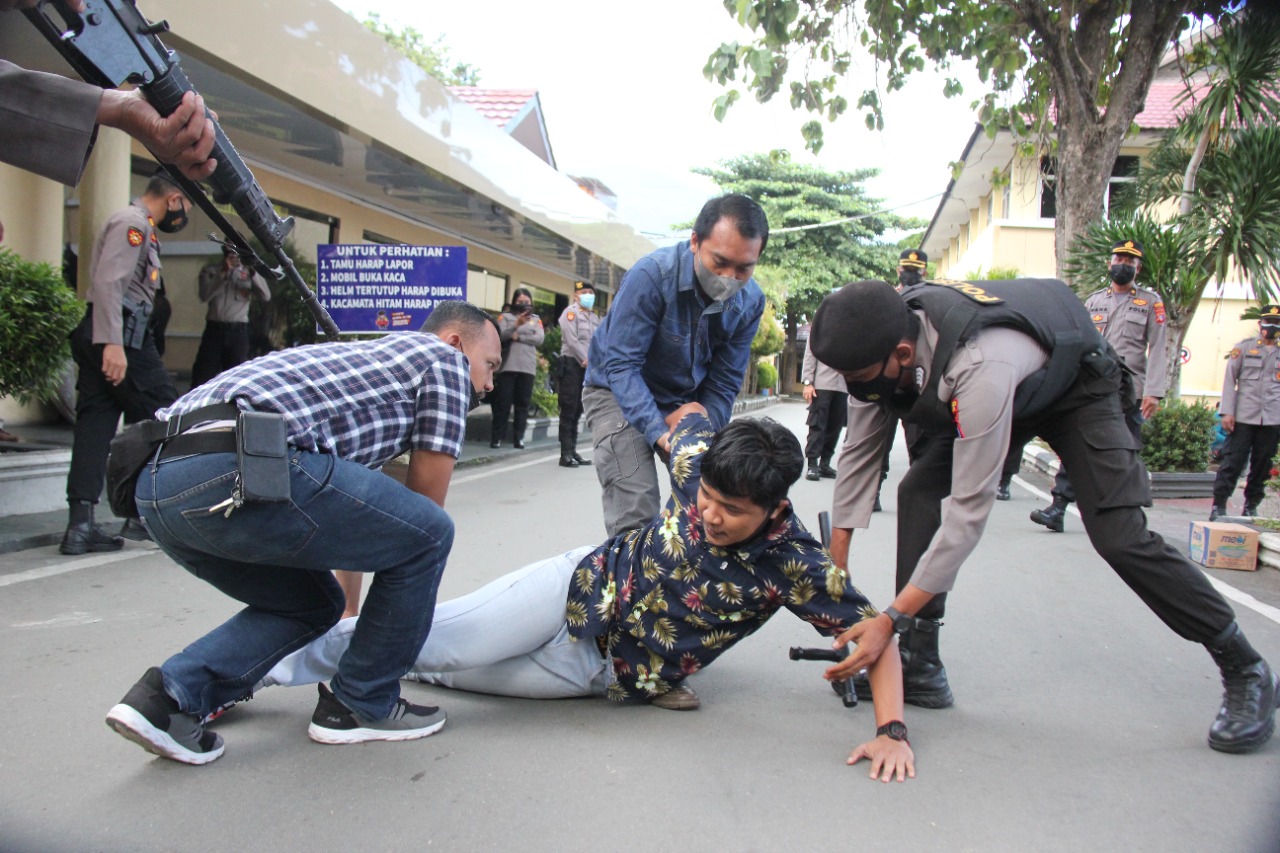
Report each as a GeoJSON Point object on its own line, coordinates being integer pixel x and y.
{"type": "Point", "coordinates": [348, 408]}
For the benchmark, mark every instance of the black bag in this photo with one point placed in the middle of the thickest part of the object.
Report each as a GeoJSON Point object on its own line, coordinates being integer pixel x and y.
{"type": "Point", "coordinates": [262, 457]}
{"type": "Point", "coordinates": [134, 447]}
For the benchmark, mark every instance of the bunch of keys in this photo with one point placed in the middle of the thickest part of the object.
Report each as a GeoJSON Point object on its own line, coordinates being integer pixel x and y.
{"type": "Point", "coordinates": [232, 503]}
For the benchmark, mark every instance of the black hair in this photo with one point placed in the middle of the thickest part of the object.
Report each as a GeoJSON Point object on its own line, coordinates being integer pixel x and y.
{"type": "Point", "coordinates": [454, 313]}
{"type": "Point", "coordinates": [743, 210]}
{"type": "Point", "coordinates": [161, 184]}
{"type": "Point", "coordinates": [520, 291]}
{"type": "Point", "coordinates": [754, 458]}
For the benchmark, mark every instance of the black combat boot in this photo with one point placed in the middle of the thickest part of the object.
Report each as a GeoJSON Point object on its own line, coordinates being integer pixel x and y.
{"type": "Point", "coordinates": [825, 469]}
{"type": "Point", "coordinates": [812, 472]}
{"type": "Point", "coordinates": [1002, 490]}
{"type": "Point", "coordinates": [134, 529]}
{"type": "Point", "coordinates": [83, 536]}
{"type": "Point", "coordinates": [924, 678]}
{"type": "Point", "coordinates": [1250, 510]}
{"type": "Point", "coordinates": [1052, 515]}
{"type": "Point", "coordinates": [1250, 693]}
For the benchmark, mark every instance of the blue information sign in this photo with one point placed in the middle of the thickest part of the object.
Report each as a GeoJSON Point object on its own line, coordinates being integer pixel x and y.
{"type": "Point", "coordinates": [371, 287]}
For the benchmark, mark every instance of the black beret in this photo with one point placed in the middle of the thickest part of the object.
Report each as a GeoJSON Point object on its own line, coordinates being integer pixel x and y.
{"type": "Point", "coordinates": [1127, 247]}
{"type": "Point", "coordinates": [858, 325]}
{"type": "Point", "coordinates": [913, 259]}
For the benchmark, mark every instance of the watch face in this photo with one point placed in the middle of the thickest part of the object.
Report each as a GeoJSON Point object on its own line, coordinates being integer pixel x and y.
{"type": "Point", "coordinates": [895, 730]}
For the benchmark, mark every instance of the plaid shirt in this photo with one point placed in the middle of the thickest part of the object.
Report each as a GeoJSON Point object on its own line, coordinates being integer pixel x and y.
{"type": "Point", "coordinates": [365, 401]}
{"type": "Point", "coordinates": [665, 602]}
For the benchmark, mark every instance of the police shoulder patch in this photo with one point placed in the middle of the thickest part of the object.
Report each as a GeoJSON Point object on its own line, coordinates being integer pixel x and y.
{"type": "Point", "coordinates": [570, 316]}
{"type": "Point", "coordinates": [135, 237]}
{"type": "Point", "coordinates": [1235, 352]}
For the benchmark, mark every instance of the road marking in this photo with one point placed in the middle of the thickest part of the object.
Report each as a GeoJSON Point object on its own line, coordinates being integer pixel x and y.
{"type": "Point", "coordinates": [1225, 589]}
{"type": "Point", "coordinates": [493, 472]}
{"type": "Point", "coordinates": [71, 566]}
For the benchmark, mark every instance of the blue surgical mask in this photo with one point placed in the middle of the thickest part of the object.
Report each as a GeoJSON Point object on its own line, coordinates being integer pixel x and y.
{"type": "Point", "coordinates": [587, 300]}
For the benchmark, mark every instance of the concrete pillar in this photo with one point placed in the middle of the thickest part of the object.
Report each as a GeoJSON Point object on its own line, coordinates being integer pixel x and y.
{"type": "Point", "coordinates": [31, 210]}
{"type": "Point", "coordinates": [104, 189]}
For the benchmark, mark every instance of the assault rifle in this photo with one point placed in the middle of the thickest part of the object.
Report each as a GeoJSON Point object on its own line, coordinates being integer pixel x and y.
{"type": "Point", "coordinates": [109, 44]}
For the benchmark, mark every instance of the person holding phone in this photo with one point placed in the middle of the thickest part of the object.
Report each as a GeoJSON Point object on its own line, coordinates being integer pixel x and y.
{"type": "Point", "coordinates": [522, 334]}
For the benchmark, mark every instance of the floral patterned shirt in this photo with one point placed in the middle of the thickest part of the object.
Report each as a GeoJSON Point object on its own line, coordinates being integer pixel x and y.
{"type": "Point", "coordinates": [664, 603]}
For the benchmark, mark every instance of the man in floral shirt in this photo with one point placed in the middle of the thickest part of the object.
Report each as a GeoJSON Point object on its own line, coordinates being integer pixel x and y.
{"type": "Point", "coordinates": [649, 607]}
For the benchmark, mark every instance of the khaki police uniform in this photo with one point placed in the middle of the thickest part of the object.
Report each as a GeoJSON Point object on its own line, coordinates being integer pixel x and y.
{"type": "Point", "coordinates": [577, 326]}
{"type": "Point", "coordinates": [1251, 395]}
{"type": "Point", "coordinates": [513, 383]}
{"type": "Point", "coordinates": [125, 274]}
{"type": "Point", "coordinates": [946, 496]}
{"type": "Point", "coordinates": [225, 342]}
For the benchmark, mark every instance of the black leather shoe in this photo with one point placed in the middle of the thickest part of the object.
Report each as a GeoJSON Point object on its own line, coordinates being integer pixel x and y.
{"type": "Point", "coordinates": [924, 678]}
{"type": "Point", "coordinates": [811, 473]}
{"type": "Point", "coordinates": [1051, 516]}
{"type": "Point", "coordinates": [1250, 510]}
{"type": "Point", "coordinates": [568, 462]}
{"type": "Point", "coordinates": [1217, 511]}
{"type": "Point", "coordinates": [518, 444]}
{"type": "Point", "coordinates": [495, 444]}
{"type": "Point", "coordinates": [85, 537]}
{"type": "Point", "coordinates": [134, 529]}
{"type": "Point", "coordinates": [580, 460]}
{"type": "Point", "coordinates": [875, 507]}
{"type": "Point", "coordinates": [1251, 692]}
{"type": "Point", "coordinates": [826, 471]}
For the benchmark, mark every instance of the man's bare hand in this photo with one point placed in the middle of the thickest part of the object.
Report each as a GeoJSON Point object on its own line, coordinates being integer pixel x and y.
{"type": "Point", "coordinates": [809, 393]}
{"type": "Point", "coordinates": [870, 637]}
{"type": "Point", "coordinates": [1228, 423]}
{"type": "Point", "coordinates": [114, 363]}
{"type": "Point", "coordinates": [1149, 406]}
{"type": "Point", "coordinates": [184, 138]}
{"type": "Point", "coordinates": [888, 758]}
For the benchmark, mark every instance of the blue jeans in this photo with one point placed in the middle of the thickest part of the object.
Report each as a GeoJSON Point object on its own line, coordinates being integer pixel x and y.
{"type": "Point", "coordinates": [277, 559]}
{"type": "Point", "coordinates": [508, 638]}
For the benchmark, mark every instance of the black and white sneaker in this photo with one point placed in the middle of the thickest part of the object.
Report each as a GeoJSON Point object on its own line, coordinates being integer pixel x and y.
{"type": "Point", "coordinates": [334, 722]}
{"type": "Point", "coordinates": [151, 719]}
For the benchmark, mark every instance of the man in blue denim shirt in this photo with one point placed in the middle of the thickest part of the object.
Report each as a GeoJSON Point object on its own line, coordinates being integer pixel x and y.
{"type": "Point", "coordinates": [679, 331]}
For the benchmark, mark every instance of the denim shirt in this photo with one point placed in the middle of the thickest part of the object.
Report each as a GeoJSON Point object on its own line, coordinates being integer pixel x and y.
{"type": "Point", "coordinates": [661, 345]}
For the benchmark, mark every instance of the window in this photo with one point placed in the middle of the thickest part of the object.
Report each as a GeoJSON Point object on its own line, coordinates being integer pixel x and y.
{"type": "Point", "coordinates": [1115, 200]}
{"type": "Point", "coordinates": [1006, 193]}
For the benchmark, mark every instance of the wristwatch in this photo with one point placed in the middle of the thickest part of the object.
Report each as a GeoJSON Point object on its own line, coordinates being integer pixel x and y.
{"type": "Point", "coordinates": [901, 621]}
{"type": "Point", "coordinates": [894, 730]}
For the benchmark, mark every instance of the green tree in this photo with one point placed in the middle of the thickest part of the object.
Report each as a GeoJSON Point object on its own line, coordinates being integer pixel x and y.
{"type": "Point", "coordinates": [432, 57]}
{"type": "Point", "coordinates": [1087, 65]}
{"type": "Point", "coordinates": [824, 230]}
{"type": "Point", "coordinates": [1222, 166]}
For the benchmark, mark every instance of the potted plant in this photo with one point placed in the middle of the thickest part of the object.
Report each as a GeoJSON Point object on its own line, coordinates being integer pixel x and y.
{"type": "Point", "coordinates": [1176, 442]}
{"type": "Point", "coordinates": [37, 313]}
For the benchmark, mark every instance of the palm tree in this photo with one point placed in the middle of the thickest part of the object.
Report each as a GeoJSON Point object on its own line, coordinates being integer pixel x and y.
{"type": "Point", "coordinates": [1222, 166]}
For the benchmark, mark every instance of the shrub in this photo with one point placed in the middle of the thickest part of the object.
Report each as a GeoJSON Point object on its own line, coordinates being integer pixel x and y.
{"type": "Point", "coordinates": [37, 312]}
{"type": "Point", "coordinates": [544, 399]}
{"type": "Point", "coordinates": [1178, 437]}
{"type": "Point", "coordinates": [766, 375]}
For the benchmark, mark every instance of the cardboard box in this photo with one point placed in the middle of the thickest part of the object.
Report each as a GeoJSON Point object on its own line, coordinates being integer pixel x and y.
{"type": "Point", "coordinates": [1217, 545]}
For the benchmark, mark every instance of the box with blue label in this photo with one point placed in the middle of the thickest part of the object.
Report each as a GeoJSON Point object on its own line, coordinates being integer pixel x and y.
{"type": "Point", "coordinates": [1218, 545]}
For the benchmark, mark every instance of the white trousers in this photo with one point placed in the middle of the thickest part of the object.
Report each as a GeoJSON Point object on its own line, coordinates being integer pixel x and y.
{"type": "Point", "coordinates": [508, 638]}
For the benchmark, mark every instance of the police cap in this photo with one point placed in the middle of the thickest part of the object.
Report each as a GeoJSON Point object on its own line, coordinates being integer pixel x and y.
{"type": "Point", "coordinates": [1127, 247]}
{"type": "Point", "coordinates": [858, 325]}
{"type": "Point", "coordinates": [583, 285]}
{"type": "Point", "coordinates": [1269, 316]}
{"type": "Point", "coordinates": [915, 259]}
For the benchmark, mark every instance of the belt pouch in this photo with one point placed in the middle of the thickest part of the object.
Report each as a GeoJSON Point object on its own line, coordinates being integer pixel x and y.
{"type": "Point", "coordinates": [262, 457]}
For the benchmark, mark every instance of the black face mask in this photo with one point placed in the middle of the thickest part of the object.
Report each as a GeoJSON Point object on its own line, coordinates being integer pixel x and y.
{"type": "Point", "coordinates": [173, 222]}
{"type": "Point", "coordinates": [475, 400]}
{"type": "Point", "coordinates": [910, 278]}
{"type": "Point", "coordinates": [877, 390]}
{"type": "Point", "coordinates": [1269, 332]}
{"type": "Point", "coordinates": [1122, 273]}
{"type": "Point", "coordinates": [523, 307]}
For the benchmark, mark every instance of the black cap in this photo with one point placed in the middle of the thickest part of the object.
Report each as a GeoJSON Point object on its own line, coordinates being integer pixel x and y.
{"type": "Point", "coordinates": [858, 325]}
{"type": "Point", "coordinates": [583, 285]}
{"type": "Point", "coordinates": [1269, 316]}
{"type": "Point", "coordinates": [913, 259]}
{"type": "Point", "coordinates": [1127, 247]}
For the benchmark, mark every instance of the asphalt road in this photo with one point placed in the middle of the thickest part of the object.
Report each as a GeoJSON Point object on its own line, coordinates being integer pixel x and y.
{"type": "Point", "coordinates": [1079, 724]}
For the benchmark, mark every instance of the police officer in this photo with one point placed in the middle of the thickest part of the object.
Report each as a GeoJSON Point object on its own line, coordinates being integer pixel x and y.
{"type": "Point", "coordinates": [226, 287]}
{"type": "Point", "coordinates": [976, 364]}
{"type": "Point", "coordinates": [825, 393]}
{"type": "Point", "coordinates": [1133, 322]}
{"type": "Point", "coordinates": [1250, 412]}
{"type": "Point", "coordinates": [114, 347]}
{"type": "Point", "coordinates": [578, 323]}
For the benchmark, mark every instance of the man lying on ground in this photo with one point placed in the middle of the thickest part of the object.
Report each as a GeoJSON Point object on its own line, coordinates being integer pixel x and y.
{"type": "Point", "coordinates": [634, 617]}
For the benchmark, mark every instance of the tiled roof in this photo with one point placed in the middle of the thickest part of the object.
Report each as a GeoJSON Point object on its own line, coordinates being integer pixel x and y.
{"type": "Point", "coordinates": [1162, 108]}
{"type": "Point", "coordinates": [497, 105]}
